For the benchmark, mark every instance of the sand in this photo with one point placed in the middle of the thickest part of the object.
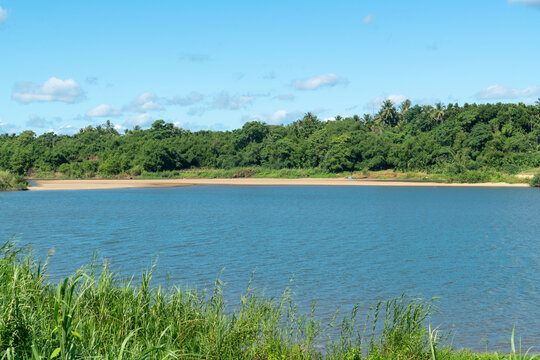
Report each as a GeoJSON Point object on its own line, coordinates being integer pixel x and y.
{"type": "Point", "coordinates": [124, 184]}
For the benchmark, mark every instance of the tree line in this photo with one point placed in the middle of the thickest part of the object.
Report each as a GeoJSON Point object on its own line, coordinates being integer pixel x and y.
{"type": "Point", "coordinates": [443, 138]}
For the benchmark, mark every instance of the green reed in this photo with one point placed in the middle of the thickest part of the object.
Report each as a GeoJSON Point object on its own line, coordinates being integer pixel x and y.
{"type": "Point", "coordinates": [97, 314]}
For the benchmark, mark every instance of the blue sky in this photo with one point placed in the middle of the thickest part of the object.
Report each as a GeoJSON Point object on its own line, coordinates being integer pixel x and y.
{"type": "Point", "coordinates": [215, 64]}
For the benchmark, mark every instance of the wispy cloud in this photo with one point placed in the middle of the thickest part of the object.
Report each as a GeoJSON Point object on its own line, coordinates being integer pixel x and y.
{"type": "Point", "coordinates": [38, 121]}
{"type": "Point", "coordinates": [315, 82]}
{"type": "Point", "coordinates": [54, 89]}
{"type": "Point", "coordinates": [65, 130]}
{"type": "Point", "coordinates": [103, 110]}
{"type": "Point", "coordinates": [198, 126]}
{"type": "Point", "coordinates": [369, 19]}
{"type": "Point", "coordinates": [197, 111]}
{"type": "Point", "coordinates": [92, 80]}
{"type": "Point", "coordinates": [195, 57]}
{"type": "Point", "coordinates": [534, 3]}
{"type": "Point", "coordinates": [278, 117]}
{"type": "Point", "coordinates": [239, 75]}
{"type": "Point", "coordinates": [147, 101]}
{"type": "Point", "coordinates": [432, 47]}
{"type": "Point", "coordinates": [285, 97]}
{"type": "Point", "coordinates": [502, 92]}
{"type": "Point", "coordinates": [220, 101]}
{"type": "Point", "coordinates": [190, 99]}
{"type": "Point", "coordinates": [269, 75]}
{"type": "Point", "coordinates": [139, 120]}
{"type": "Point", "coordinates": [7, 128]}
{"type": "Point", "coordinates": [3, 15]}
{"type": "Point", "coordinates": [225, 101]}
{"type": "Point", "coordinates": [396, 99]}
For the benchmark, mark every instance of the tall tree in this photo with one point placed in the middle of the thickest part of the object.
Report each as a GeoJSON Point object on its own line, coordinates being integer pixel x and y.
{"type": "Point", "coordinates": [439, 112]}
{"type": "Point", "coordinates": [388, 113]}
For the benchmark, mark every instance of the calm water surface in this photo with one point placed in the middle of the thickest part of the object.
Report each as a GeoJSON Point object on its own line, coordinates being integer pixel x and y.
{"type": "Point", "coordinates": [478, 249]}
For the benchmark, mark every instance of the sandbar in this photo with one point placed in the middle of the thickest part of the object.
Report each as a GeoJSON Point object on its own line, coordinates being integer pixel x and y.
{"type": "Point", "coordinates": [95, 184]}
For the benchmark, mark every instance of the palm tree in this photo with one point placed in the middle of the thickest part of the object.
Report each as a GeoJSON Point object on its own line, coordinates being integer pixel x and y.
{"type": "Point", "coordinates": [439, 112]}
{"type": "Point", "coordinates": [405, 106]}
{"type": "Point", "coordinates": [367, 117]}
{"type": "Point", "coordinates": [388, 113]}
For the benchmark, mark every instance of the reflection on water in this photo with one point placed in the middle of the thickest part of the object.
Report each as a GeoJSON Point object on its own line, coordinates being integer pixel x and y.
{"type": "Point", "coordinates": [477, 249]}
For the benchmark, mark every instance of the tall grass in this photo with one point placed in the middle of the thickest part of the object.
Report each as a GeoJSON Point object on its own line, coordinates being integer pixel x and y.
{"type": "Point", "coordinates": [97, 314]}
{"type": "Point", "coordinates": [9, 181]}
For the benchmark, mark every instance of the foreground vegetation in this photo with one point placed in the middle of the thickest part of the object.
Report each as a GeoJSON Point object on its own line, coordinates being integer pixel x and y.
{"type": "Point", "coordinates": [9, 181]}
{"type": "Point", "coordinates": [469, 143]}
{"type": "Point", "coordinates": [535, 181]}
{"type": "Point", "coordinates": [97, 314]}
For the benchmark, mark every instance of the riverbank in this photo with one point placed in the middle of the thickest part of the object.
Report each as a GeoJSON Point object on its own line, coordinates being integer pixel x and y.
{"type": "Point", "coordinates": [96, 314]}
{"type": "Point", "coordinates": [42, 185]}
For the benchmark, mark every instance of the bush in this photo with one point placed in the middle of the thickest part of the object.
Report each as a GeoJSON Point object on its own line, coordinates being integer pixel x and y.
{"type": "Point", "coordinates": [535, 181]}
{"type": "Point", "coordinates": [244, 173]}
{"type": "Point", "coordinates": [79, 170]}
{"type": "Point", "coordinates": [136, 170]}
{"type": "Point", "coordinates": [477, 176]}
{"type": "Point", "coordinates": [9, 181]}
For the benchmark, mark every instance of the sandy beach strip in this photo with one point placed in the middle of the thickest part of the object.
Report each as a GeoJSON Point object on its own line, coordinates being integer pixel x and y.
{"type": "Point", "coordinates": [125, 184]}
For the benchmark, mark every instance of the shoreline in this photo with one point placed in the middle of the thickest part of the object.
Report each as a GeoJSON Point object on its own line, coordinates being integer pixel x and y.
{"type": "Point", "coordinates": [94, 184]}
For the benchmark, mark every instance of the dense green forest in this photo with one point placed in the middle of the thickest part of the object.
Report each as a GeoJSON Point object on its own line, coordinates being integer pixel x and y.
{"type": "Point", "coordinates": [449, 139]}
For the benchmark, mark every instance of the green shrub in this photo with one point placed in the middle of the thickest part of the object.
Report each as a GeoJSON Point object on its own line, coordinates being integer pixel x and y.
{"type": "Point", "coordinates": [79, 170]}
{"type": "Point", "coordinates": [136, 170]}
{"type": "Point", "coordinates": [244, 173]}
{"type": "Point", "coordinates": [535, 181]}
{"type": "Point", "coordinates": [9, 181]}
{"type": "Point", "coordinates": [477, 176]}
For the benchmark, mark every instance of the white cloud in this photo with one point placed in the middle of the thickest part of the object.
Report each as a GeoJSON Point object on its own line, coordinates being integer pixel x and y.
{"type": "Point", "coordinates": [196, 126]}
{"type": "Point", "coordinates": [145, 102]}
{"type": "Point", "coordinates": [224, 101]}
{"type": "Point", "coordinates": [426, 101]}
{"type": "Point", "coordinates": [3, 15]}
{"type": "Point", "coordinates": [140, 120]}
{"type": "Point", "coordinates": [530, 101]}
{"type": "Point", "coordinates": [535, 3]}
{"type": "Point", "coordinates": [370, 19]}
{"type": "Point", "coordinates": [103, 110]}
{"type": "Point", "coordinates": [7, 128]}
{"type": "Point", "coordinates": [376, 103]}
{"type": "Point", "coordinates": [314, 82]}
{"type": "Point", "coordinates": [190, 99]}
{"type": "Point", "coordinates": [65, 130]}
{"type": "Point", "coordinates": [54, 89]}
{"type": "Point", "coordinates": [501, 92]}
{"type": "Point", "coordinates": [278, 117]}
